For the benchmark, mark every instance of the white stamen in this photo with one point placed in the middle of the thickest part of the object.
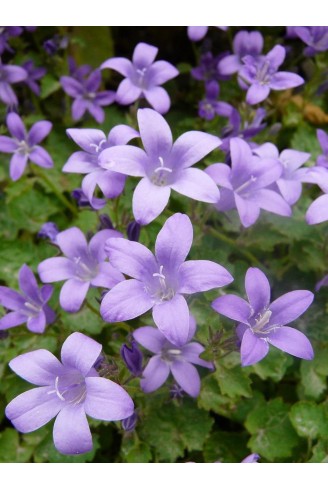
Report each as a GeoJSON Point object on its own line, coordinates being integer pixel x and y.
{"type": "Point", "coordinates": [57, 390]}
{"type": "Point", "coordinates": [97, 147]}
{"type": "Point", "coordinates": [246, 184]}
{"type": "Point", "coordinates": [159, 169]}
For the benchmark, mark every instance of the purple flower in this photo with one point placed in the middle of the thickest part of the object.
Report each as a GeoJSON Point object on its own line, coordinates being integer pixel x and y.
{"type": "Point", "coordinates": [83, 201]}
{"type": "Point", "coordinates": [78, 72]}
{"type": "Point", "coordinates": [86, 95]}
{"type": "Point", "coordinates": [262, 75]}
{"type": "Point", "coordinates": [262, 323]}
{"type": "Point", "coordinates": [322, 160]}
{"type": "Point", "coordinates": [199, 32]}
{"type": "Point", "coordinates": [133, 231]}
{"type": "Point", "coordinates": [33, 74]}
{"type": "Point", "coordinates": [169, 358]}
{"type": "Point", "coordinates": [289, 183]}
{"type": "Point", "coordinates": [10, 74]}
{"type": "Point", "coordinates": [209, 107]}
{"type": "Point", "coordinates": [163, 165]}
{"type": "Point", "coordinates": [207, 69]}
{"type": "Point", "coordinates": [244, 43]}
{"type": "Point", "coordinates": [24, 145]}
{"type": "Point", "coordinates": [29, 306]}
{"type": "Point", "coordinates": [143, 77]}
{"type": "Point", "coordinates": [316, 37]}
{"type": "Point", "coordinates": [68, 390]}
{"type": "Point", "coordinates": [132, 358]}
{"type": "Point", "coordinates": [130, 423]}
{"type": "Point", "coordinates": [244, 185]}
{"type": "Point", "coordinates": [6, 32]}
{"type": "Point", "coordinates": [83, 266]}
{"type": "Point", "coordinates": [246, 131]}
{"type": "Point", "coordinates": [252, 458]}
{"type": "Point", "coordinates": [49, 230]}
{"type": "Point", "coordinates": [51, 46]}
{"type": "Point", "coordinates": [93, 142]}
{"type": "Point", "coordinates": [159, 282]}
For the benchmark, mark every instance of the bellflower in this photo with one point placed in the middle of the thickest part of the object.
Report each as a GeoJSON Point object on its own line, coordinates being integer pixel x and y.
{"type": "Point", "coordinates": [10, 74]}
{"type": "Point", "coordinates": [93, 142]}
{"type": "Point", "coordinates": [244, 185]}
{"type": "Point", "coordinates": [83, 266]}
{"type": "Point", "coordinates": [199, 32]}
{"type": "Point", "coordinates": [6, 32]}
{"type": "Point", "coordinates": [163, 165]}
{"type": "Point", "coordinates": [29, 306]}
{"type": "Point", "coordinates": [289, 183]}
{"type": "Point", "coordinates": [68, 390]}
{"type": "Point", "coordinates": [33, 75]}
{"type": "Point", "coordinates": [262, 75]}
{"type": "Point", "coordinates": [244, 43]}
{"type": "Point", "coordinates": [143, 77]}
{"type": "Point", "coordinates": [170, 358]}
{"type": "Point", "coordinates": [247, 130]}
{"type": "Point", "coordinates": [160, 282]}
{"type": "Point", "coordinates": [24, 145]}
{"type": "Point", "coordinates": [49, 230]}
{"type": "Point", "coordinates": [207, 70]}
{"type": "Point", "coordinates": [209, 107]}
{"type": "Point", "coordinates": [87, 97]}
{"type": "Point", "coordinates": [262, 323]}
{"type": "Point", "coordinates": [132, 358]}
{"type": "Point", "coordinates": [316, 38]}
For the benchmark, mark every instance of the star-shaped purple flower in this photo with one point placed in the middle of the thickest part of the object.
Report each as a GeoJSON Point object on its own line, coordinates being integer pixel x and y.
{"type": "Point", "coordinates": [163, 165]}
{"type": "Point", "coordinates": [68, 390]}
{"type": "Point", "coordinates": [262, 75]}
{"type": "Point", "coordinates": [143, 77]}
{"type": "Point", "coordinates": [289, 183]}
{"type": "Point", "coordinates": [33, 75]}
{"type": "Point", "coordinates": [247, 130]}
{"type": "Point", "coordinates": [244, 43]}
{"type": "Point", "coordinates": [161, 281]}
{"type": "Point", "coordinates": [87, 97]}
{"type": "Point", "coordinates": [170, 358]}
{"type": "Point", "coordinates": [316, 37]}
{"type": "Point", "coordinates": [93, 142]}
{"type": "Point", "coordinates": [262, 323]}
{"type": "Point", "coordinates": [29, 306]}
{"type": "Point", "coordinates": [10, 74]}
{"type": "Point", "coordinates": [24, 145]}
{"type": "Point", "coordinates": [84, 266]}
{"type": "Point", "coordinates": [210, 107]}
{"type": "Point", "coordinates": [244, 185]}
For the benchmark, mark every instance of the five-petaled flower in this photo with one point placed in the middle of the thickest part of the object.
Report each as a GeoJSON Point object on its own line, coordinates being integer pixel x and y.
{"type": "Point", "coordinates": [261, 75]}
{"type": "Point", "coordinates": [169, 358]}
{"type": "Point", "coordinates": [163, 165]}
{"type": "Point", "coordinates": [143, 77]}
{"type": "Point", "coordinates": [93, 142]}
{"type": "Point", "coordinates": [29, 306]}
{"type": "Point", "coordinates": [161, 281]}
{"type": "Point", "coordinates": [10, 74]}
{"type": "Point", "coordinates": [85, 265]}
{"type": "Point", "coordinates": [244, 184]}
{"type": "Point", "coordinates": [262, 323]}
{"type": "Point", "coordinates": [24, 145]}
{"type": "Point", "coordinates": [68, 390]}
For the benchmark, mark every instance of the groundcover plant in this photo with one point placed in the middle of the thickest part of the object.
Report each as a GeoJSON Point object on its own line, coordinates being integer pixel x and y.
{"type": "Point", "coordinates": [163, 244]}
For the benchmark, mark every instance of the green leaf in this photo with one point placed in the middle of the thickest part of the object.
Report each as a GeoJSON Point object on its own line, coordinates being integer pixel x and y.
{"type": "Point", "coordinates": [320, 453]}
{"type": "Point", "coordinates": [273, 366]}
{"type": "Point", "coordinates": [49, 85]}
{"type": "Point", "coordinates": [226, 447]}
{"type": "Point", "coordinates": [273, 436]}
{"type": "Point", "coordinates": [309, 419]}
{"type": "Point", "coordinates": [10, 449]}
{"type": "Point", "coordinates": [46, 452]}
{"type": "Point", "coordinates": [233, 382]}
{"type": "Point", "coordinates": [313, 383]}
{"type": "Point", "coordinates": [172, 429]}
{"type": "Point", "coordinates": [134, 451]}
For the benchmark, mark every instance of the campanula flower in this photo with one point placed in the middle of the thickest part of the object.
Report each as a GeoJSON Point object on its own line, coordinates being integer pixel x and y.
{"type": "Point", "coordinates": [262, 323]}
{"type": "Point", "coordinates": [49, 230]}
{"type": "Point", "coordinates": [68, 390]}
{"type": "Point", "coordinates": [244, 43]}
{"type": "Point", "coordinates": [316, 38]}
{"type": "Point", "coordinates": [33, 75]}
{"type": "Point", "coordinates": [10, 74]}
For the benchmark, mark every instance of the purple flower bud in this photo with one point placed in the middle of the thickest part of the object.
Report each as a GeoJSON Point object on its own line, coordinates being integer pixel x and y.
{"type": "Point", "coordinates": [49, 230]}
{"type": "Point", "coordinates": [105, 222]}
{"type": "Point", "coordinates": [132, 357]}
{"type": "Point", "coordinates": [129, 423]}
{"type": "Point", "coordinates": [80, 197]}
{"type": "Point", "coordinates": [133, 231]}
{"type": "Point", "coordinates": [50, 47]}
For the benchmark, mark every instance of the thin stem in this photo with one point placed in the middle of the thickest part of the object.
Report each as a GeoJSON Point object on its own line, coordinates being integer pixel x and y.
{"type": "Point", "coordinates": [55, 190]}
{"type": "Point", "coordinates": [92, 308]}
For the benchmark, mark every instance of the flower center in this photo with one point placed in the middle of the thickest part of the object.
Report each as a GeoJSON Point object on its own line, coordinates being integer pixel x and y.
{"type": "Point", "coordinates": [23, 148]}
{"type": "Point", "coordinates": [98, 148]}
{"type": "Point", "coordinates": [90, 96]}
{"type": "Point", "coordinates": [170, 354]}
{"type": "Point", "coordinates": [70, 388]}
{"type": "Point", "coordinates": [141, 72]}
{"type": "Point", "coordinates": [165, 292]}
{"type": "Point", "coordinates": [246, 184]}
{"type": "Point", "coordinates": [263, 75]}
{"type": "Point", "coordinates": [32, 309]}
{"type": "Point", "coordinates": [261, 322]}
{"type": "Point", "coordinates": [85, 271]}
{"type": "Point", "coordinates": [160, 174]}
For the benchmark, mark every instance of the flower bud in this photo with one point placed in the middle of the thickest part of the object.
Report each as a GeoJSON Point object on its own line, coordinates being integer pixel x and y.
{"type": "Point", "coordinates": [133, 231]}
{"type": "Point", "coordinates": [129, 423]}
{"type": "Point", "coordinates": [132, 357]}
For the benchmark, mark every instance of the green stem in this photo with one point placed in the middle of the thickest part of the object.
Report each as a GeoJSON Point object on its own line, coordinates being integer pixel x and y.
{"type": "Point", "coordinates": [92, 308]}
{"type": "Point", "coordinates": [235, 246]}
{"type": "Point", "coordinates": [55, 190]}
